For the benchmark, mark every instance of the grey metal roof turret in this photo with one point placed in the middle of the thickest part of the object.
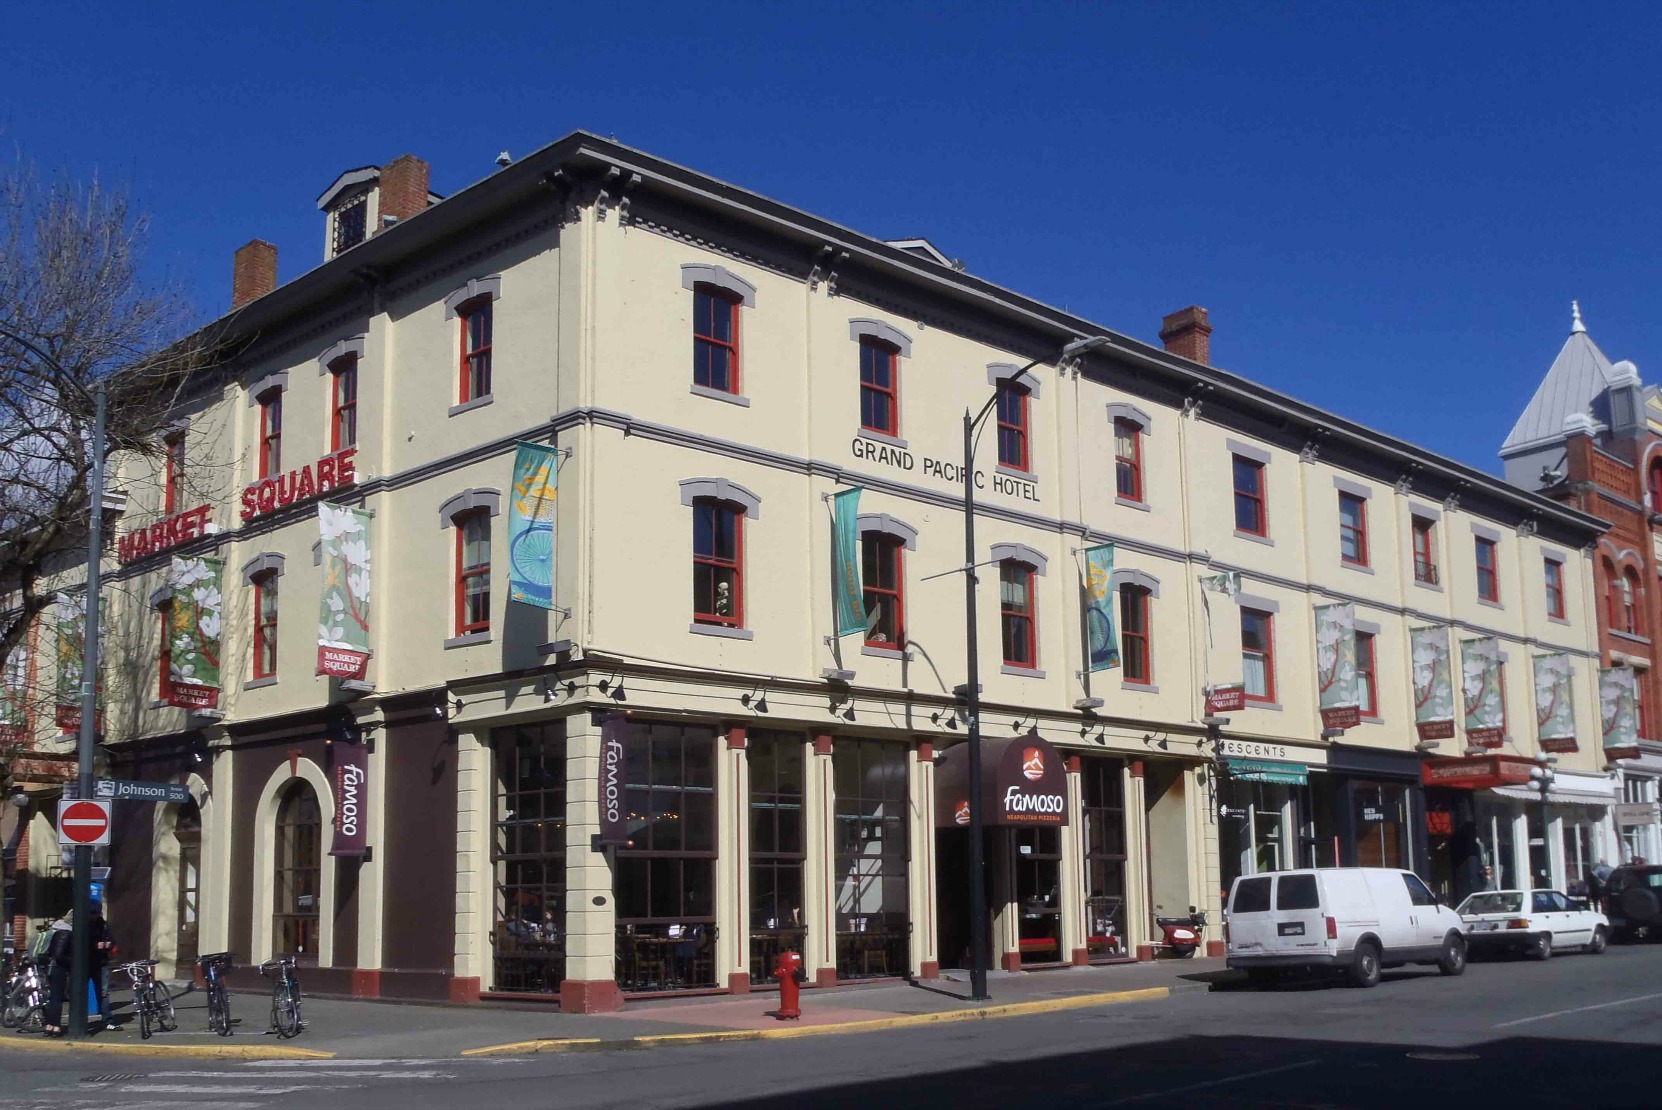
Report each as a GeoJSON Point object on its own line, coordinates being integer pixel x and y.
{"type": "Point", "coordinates": [1575, 384]}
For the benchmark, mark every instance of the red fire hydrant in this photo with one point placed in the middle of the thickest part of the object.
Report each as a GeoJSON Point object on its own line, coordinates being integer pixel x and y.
{"type": "Point", "coordinates": [789, 997]}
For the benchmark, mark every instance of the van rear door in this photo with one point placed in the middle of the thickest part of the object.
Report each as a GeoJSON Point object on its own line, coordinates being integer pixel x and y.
{"type": "Point", "coordinates": [1299, 923]}
{"type": "Point", "coordinates": [1251, 919]}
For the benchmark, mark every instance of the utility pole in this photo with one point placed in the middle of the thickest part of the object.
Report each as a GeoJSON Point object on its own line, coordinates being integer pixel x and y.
{"type": "Point", "coordinates": [81, 962]}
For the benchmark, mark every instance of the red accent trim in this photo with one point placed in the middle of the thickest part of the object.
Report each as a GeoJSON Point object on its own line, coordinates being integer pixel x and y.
{"type": "Point", "coordinates": [1360, 529]}
{"type": "Point", "coordinates": [1012, 426]}
{"type": "Point", "coordinates": [1130, 465]}
{"type": "Point", "coordinates": [926, 751]}
{"type": "Point", "coordinates": [1081, 957]}
{"type": "Point", "coordinates": [825, 977]}
{"type": "Point", "coordinates": [366, 982]}
{"type": "Point", "coordinates": [929, 969]}
{"type": "Point", "coordinates": [873, 355]}
{"type": "Point", "coordinates": [886, 547]}
{"type": "Point", "coordinates": [1007, 613]}
{"type": "Point", "coordinates": [590, 996]}
{"type": "Point", "coordinates": [465, 989]}
{"type": "Point", "coordinates": [738, 982]}
{"type": "Point", "coordinates": [1268, 654]}
{"type": "Point", "coordinates": [1256, 495]}
{"type": "Point", "coordinates": [1215, 949]}
{"type": "Point", "coordinates": [465, 572]}
{"type": "Point", "coordinates": [343, 399]}
{"type": "Point", "coordinates": [722, 512]}
{"type": "Point", "coordinates": [174, 472]}
{"type": "Point", "coordinates": [712, 296]}
{"type": "Point", "coordinates": [736, 742]}
{"type": "Point", "coordinates": [1075, 764]}
{"type": "Point", "coordinates": [271, 433]}
{"type": "Point", "coordinates": [1136, 768]}
{"type": "Point", "coordinates": [1011, 961]}
{"type": "Point", "coordinates": [1145, 952]}
{"type": "Point", "coordinates": [294, 762]}
{"type": "Point", "coordinates": [1553, 571]}
{"type": "Point", "coordinates": [1490, 567]}
{"type": "Point", "coordinates": [822, 744]}
{"type": "Point", "coordinates": [481, 308]}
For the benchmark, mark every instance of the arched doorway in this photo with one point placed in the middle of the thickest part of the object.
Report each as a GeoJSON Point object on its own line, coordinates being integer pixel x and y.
{"type": "Point", "coordinates": [187, 831]}
{"type": "Point", "coordinates": [296, 873]}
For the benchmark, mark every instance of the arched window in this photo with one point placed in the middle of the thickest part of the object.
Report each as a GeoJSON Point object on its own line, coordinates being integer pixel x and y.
{"type": "Point", "coordinates": [718, 562]}
{"type": "Point", "coordinates": [1654, 482]}
{"type": "Point", "coordinates": [715, 339]}
{"type": "Point", "coordinates": [473, 571]}
{"type": "Point", "coordinates": [1018, 614]}
{"type": "Point", "coordinates": [1012, 426]}
{"type": "Point", "coordinates": [187, 830]}
{"type": "Point", "coordinates": [1136, 635]}
{"type": "Point", "coordinates": [295, 877]}
{"type": "Point", "coordinates": [265, 624]}
{"type": "Point", "coordinates": [343, 402]}
{"type": "Point", "coordinates": [1612, 596]}
{"type": "Point", "coordinates": [1631, 599]}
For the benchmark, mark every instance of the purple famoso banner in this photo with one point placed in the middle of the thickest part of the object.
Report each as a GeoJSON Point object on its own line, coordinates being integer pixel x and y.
{"type": "Point", "coordinates": [614, 813]}
{"type": "Point", "coordinates": [351, 775]}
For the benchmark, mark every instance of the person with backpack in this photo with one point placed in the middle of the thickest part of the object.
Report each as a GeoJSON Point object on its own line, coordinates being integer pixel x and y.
{"type": "Point", "coordinates": [60, 948]}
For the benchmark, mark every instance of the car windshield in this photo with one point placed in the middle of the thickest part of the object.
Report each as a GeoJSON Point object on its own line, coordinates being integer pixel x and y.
{"type": "Point", "coordinates": [1493, 901]}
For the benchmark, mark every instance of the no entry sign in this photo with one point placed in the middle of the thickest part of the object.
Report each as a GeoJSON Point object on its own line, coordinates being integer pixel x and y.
{"type": "Point", "coordinates": [83, 822]}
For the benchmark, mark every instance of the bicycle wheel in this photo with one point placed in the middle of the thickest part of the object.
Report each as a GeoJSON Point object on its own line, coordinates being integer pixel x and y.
{"type": "Point", "coordinates": [17, 1004]}
{"type": "Point", "coordinates": [141, 1003]}
{"type": "Point", "coordinates": [219, 1009]}
{"type": "Point", "coordinates": [166, 1020]}
{"type": "Point", "coordinates": [33, 1019]}
{"type": "Point", "coordinates": [285, 1010]}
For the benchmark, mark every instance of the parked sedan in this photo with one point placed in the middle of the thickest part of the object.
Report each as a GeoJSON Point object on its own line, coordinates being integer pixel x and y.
{"type": "Point", "coordinates": [1498, 920]}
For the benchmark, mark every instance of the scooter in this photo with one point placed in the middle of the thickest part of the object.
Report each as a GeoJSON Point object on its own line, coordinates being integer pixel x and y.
{"type": "Point", "coordinates": [1182, 935]}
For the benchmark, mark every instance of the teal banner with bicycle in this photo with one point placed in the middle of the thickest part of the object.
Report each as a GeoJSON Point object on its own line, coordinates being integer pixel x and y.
{"type": "Point", "coordinates": [1103, 640]}
{"type": "Point", "coordinates": [531, 525]}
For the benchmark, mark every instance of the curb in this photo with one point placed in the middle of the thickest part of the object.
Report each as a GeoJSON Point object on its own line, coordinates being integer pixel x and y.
{"type": "Point", "coordinates": [206, 1051]}
{"type": "Point", "coordinates": [790, 1032]}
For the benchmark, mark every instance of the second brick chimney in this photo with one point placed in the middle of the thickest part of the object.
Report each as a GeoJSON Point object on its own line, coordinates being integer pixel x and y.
{"type": "Point", "coordinates": [1187, 333]}
{"type": "Point", "coordinates": [403, 187]}
{"type": "Point", "coordinates": [253, 272]}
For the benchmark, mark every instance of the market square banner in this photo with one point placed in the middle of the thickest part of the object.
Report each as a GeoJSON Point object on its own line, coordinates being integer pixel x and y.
{"type": "Point", "coordinates": [343, 613]}
{"type": "Point", "coordinates": [1555, 703]}
{"type": "Point", "coordinates": [1336, 677]}
{"type": "Point", "coordinates": [1485, 703]}
{"type": "Point", "coordinates": [194, 629]}
{"type": "Point", "coordinates": [1433, 683]}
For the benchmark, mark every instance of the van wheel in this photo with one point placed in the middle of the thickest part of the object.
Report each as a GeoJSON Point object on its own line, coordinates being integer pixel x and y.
{"type": "Point", "coordinates": [1597, 945]}
{"type": "Point", "coordinates": [1454, 955]}
{"type": "Point", "coordinates": [1364, 965]}
{"type": "Point", "coordinates": [1542, 948]}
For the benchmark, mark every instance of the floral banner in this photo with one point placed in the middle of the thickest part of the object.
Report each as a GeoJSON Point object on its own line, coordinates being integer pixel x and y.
{"type": "Point", "coordinates": [1336, 678]}
{"type": "Point", "coordinates": [1103, 641]}
{"type": "Point", "coordinates": [1433, 683]}
{"type": "Point", "coordinates": [343, 614]}
{"type": "Point", "coordinates": [1619, 709]}
{"type": "Point", "coordinates": [72, 638]}
{"type": "Point", "coordinates": [531, 525]}
{"type": "Point", "coordinates": [194, 632]}
{"type": "Point", "coordinates": [1555, 703]}
{"type": "Point", "coordinates": [1480, 688]}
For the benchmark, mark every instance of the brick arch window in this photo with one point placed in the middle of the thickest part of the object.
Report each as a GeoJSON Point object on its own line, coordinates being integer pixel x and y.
{"type": "Point", "coordinates": [1612, 595]}
{"type": "Point", "coordinates": [1632, 596]}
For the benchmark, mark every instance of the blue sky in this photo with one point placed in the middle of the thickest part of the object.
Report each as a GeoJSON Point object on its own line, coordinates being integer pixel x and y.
{"type": "Point", "coordinates": [1386, 208]}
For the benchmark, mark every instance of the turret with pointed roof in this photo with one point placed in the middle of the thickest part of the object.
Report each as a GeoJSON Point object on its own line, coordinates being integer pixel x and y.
{"type": "Point", "coordinates": [1583, 392]}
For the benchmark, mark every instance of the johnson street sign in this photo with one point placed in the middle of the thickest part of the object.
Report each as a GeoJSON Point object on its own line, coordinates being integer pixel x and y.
{"type": "Point", "coordinates": [131, 790]}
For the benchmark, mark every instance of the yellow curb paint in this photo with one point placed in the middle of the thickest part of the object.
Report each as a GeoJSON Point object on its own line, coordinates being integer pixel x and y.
{"type": "Point", "coordinates": [787, 1032]}
{"type": "Point", "coordinates": [526, 1047]}
{"type": "Point", "coordinates": [223, 1051]}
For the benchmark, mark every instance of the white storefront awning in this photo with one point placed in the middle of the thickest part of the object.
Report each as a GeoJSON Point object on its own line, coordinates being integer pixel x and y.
{"type": "Point", "coordinates": [1569, 788]}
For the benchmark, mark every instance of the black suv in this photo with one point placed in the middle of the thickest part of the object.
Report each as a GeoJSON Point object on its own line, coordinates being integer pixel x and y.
{"type": "Point", "coordinates": [1633, 902]}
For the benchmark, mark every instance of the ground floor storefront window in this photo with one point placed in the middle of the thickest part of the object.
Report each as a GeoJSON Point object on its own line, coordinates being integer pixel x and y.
{"type": "Point", "coordinates": [528, 858]}
{"type": "Point", "coordinates": [1497, 847]}
{"type": "Point", "coordinates": [1260, 831]}
{"type": "Point", "coordinates": [1640, 841]}
{"type": "Point", "coordinates": [1037, 857]}
{"type": "Point", "coordinates": [296, 876]}
{"type": "Point", "coordinates": [776, 762]}
{"type": "Point", "coordinates": [1380, 812]}
{"type": "Point", "coordinates": [873, 851]}
{"type": "Point", "coordinates": [1102, 789]}
{"type": "Point", "coordinates": [665, 876]}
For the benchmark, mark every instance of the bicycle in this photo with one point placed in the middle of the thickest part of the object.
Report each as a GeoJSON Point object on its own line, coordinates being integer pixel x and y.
{"type": "Point", "coordinates": [24, 1008]}
{"type": "Point", "coordinates": [152, 1001]}
{"type": "Point", "coordinates": [285, 997]}
{"type": "Point", "coordinates": [219, 999]}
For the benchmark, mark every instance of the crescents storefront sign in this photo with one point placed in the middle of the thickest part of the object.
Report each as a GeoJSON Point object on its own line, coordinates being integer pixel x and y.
{"type": "Point", "coordinates": [329, 473]}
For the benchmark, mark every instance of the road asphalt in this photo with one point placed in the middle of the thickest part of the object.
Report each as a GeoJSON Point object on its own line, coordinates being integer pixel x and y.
{"type": "Point", "coordinates": [1507, 1033]}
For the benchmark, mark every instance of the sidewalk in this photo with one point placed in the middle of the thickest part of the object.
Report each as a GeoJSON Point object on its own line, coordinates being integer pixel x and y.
{"type": "Point", "coordinates": [384, 1030]}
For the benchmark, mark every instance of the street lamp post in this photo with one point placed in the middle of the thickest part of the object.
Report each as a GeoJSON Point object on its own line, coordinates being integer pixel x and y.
{"type": "Point", "coordinates": [1541, 775]}
{"type": "Point", "coordinates": [979, 956]}
{"type": "Point", "coordinates": [80, 960]}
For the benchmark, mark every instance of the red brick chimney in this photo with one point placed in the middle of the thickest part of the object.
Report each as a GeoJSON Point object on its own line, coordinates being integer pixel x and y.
{"type": "Point", "coordinates": [403, 188]}
{"type": "Point", "coordinates": [253, 272]}
{"type": "Point", "coordinates": [1187, 333]}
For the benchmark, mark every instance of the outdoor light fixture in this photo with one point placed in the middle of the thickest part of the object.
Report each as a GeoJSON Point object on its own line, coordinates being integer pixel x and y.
{"type": "Point", "coordinates": [756, 700]}
{"type": "Point", "coordinates": [612, 688]}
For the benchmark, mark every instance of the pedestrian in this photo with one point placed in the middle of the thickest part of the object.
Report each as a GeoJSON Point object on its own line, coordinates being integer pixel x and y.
{"type": "Point", "coordinates": [60, 947]}
{"type": "Point", "coordinates": [1489, 878]}
{"type": "Point", "coordinates": [103, 945]}
{"type": "Point", "coordinates": [1596, 879]}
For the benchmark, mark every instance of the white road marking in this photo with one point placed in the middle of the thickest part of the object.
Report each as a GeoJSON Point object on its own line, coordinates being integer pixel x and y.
{"type": "Point", "coordinates": [1210, 1083]}
{"type": "Point", "coordinates": [1577, 1010]}
{"type": "Point", "coordinates": [386, 1062]}
{"type": "Point", "coordinates": [205, 1089]}
{"type": "Point", "coordinates": [289, 1075]}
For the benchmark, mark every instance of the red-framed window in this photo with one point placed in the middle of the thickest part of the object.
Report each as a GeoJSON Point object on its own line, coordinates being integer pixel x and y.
{"type": "Point", "coordinates": [1251, 511]}
{"type": "Point", "coordinates": [1136, 636]}
{"type": "Point", "coordinates": [884, 562]}
{"type": "Point", "coordinates": [1612, 610]}
{"type": "Point", "coordinates": [1258, 654]}
{"type": "Point", "coordinates": [1488, 570]}
{"type": "Point", "coordinates": [1353, 529]}
{"type": "Point", "coordinates": [1128, 460]}
{"type": "Point", "coordinates": [265, 625]}
{"type": "Point", "coordinates": [173, 473]}
{"type": "Point", "coordinates": [1654, 482]}
{"type": "Point", "coordinates": [1367, 674]}
{"type": "Point", "coordinates": [1012, 426]}
{"type": "Point", "coordinates": [879, 387]}
{"type": "Point", "coordinates": [1629, 594]}
{"type": "Point", "coordinates": [715, 339]}
{"type": "Point", "coordinates": [476, 349]}
{"type": "Point", "coordinates": [718, 563]}
{"type": "Point", "coordinates": [343, 403]}
{"type": "Point", "coordinates": [1018, 614]}
{"type": "Point", "coordinates": [271, 433]}
{"type": "Point", "coordinates": [164, 655]}
{"type": "Point", "coordinates": [1553, 572]}
{"type": "Point", "coordinates": [473, 572]}
{"type": "Point", "coordinates": [1425, 559]}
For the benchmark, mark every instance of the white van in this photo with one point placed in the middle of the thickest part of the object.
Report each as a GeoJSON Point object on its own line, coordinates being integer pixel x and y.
{"type": "Point", "coordinates": [1351, 919]}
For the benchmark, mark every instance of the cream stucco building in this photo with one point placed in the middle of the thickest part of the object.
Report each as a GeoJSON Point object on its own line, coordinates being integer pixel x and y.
{"type": "Point", "coordinates": [712, 365]}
